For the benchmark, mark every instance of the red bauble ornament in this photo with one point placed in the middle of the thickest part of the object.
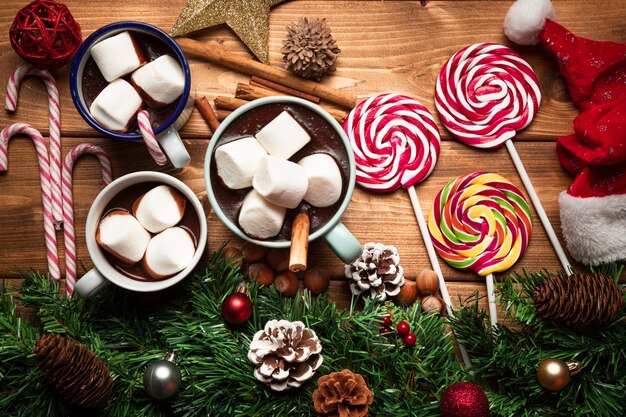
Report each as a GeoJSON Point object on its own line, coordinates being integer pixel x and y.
{"type": "Point", "coordinates": [464, 399]}
{"type": "Point", "coordinates": [403, 328]}
{"type": "Point", "coordinates": [410, 339]}
{"type": "Point", "coordinates": [45, 34]}
{"type": "Point", "coordinates": [237, 308]}
{"type": "Point", "coordinates": [387, 321]}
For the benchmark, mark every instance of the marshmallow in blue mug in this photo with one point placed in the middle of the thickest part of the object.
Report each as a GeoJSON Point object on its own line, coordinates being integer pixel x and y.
{"type": "Point", "coordinates": [133, 50]}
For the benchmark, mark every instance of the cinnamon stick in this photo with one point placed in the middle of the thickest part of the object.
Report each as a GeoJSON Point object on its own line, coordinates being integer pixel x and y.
{"type": "Point", "coordinates": [222, 114]}
{"type": "Point", "coordinates": [299, 242]}
{"type": "Point", "coordinates": [207, 113]}
{"type": "Point", "coordinates": [249, 66]}
{"type": "Point", "coordinates": [262, 82]}
{"type": "Point", "coordinates": [228, 103]}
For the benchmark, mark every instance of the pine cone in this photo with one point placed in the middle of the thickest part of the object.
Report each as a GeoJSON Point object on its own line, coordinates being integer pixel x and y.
{"type": "Point", "coordinates": [377, 273]}
{"type": "Point", "coordinates": [342, 394]}
{"type": "Point", "coordinates": [310, 50]}
{"type": "Point", "coordinates": [78, 375]}
{"type": "Point", "coordinates": [287, 354]}
{"type": "Point", "coordinates": [580, 301]}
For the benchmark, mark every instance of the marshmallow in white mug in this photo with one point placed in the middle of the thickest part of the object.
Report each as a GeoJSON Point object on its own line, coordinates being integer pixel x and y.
{"type": "Point", "coordinates": [116, 106]}
{"type": "Point", "coordinates": [159, 208]}
{"type": "Point", "coordinates": [324, 187]}
{"type": "Point", "coordinates": [237, 162]}
{"type": "Point", "coordinates": [280, 181]}
{"type": "Point", "coordinates": [117, 56]}
{"type": "Point", "coordinates": [260, 218]}
{"type": "Point", "coordinates": [160, 82]}
{"type": "Point", "coordinates": [169, 252]}
{"type": "Point", "coordinates": [283, 136]}
{"type": "Point", "coordinates": [120, 234]}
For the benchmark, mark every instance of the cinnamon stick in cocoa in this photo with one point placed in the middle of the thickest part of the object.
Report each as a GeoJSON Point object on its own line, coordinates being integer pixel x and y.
{"type": "Point", "coordinates": [299, 242]}
{"type": "Point", "coordinates": [247, 65]}
{"type": "Point", "coordinates": [262, 82]}
{"type": "Point", "coordinates": [207, 113]}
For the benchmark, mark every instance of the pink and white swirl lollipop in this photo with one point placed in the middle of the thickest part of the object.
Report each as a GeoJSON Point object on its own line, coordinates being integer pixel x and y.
{"type": "Point", "coordinates": [485, 93]}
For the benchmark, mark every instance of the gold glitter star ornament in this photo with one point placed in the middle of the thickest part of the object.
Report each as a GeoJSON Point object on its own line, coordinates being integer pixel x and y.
{"type": "Point", "coordinates": [249, 19]}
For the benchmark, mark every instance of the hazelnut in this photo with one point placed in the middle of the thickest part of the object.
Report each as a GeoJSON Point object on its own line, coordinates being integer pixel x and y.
{"type": "Point", "coordinates": [432, 304]}
{"type": "Point", "coordinates": [286, 283]}
{"type": "Point", "coordinates": [260, 272]}
{"type": "Point", "coordinates": [407, 294]}
{"type": "Point", "coordinates": [252, 252]}
{"type": "Point", "coordinates": [427, 282]}
{"type": "Point", "coordinates": [233, 256]}
{"type": "Point", "coordinates": [316, 280]}
{"type": "Point", "coordinates": [278, 259]}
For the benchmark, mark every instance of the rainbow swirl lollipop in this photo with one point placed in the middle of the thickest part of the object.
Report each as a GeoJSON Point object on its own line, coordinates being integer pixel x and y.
{"type": "Point", "coordinates": [480, 222]}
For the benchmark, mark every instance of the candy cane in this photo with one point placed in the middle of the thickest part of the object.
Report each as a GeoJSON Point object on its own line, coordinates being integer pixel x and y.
{"type": "Point", "coordinates": [44, 174]}
{"type": "Point", "coordinates": [54, 125]}
{"type": "Point", "coordinates": [68, 205]}
{"type": "Point", "coordinates": [143, 120]}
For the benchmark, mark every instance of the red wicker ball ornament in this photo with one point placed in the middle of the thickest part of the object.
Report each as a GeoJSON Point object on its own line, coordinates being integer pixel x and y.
{"type": "Point", "coordinates": [45, 34]}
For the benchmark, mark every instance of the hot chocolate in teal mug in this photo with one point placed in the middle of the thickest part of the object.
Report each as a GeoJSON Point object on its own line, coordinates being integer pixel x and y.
{"type": "Point", "coordinates": [326, 137]}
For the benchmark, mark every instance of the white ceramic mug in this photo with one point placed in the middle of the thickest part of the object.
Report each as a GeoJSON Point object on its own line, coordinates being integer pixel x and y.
{"type": "Point", "coordinates": [103, 272]}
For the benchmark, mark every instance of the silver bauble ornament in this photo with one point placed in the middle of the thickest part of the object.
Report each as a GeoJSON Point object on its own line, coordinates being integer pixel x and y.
{"type": "Point", "coordinates": [162, 378]}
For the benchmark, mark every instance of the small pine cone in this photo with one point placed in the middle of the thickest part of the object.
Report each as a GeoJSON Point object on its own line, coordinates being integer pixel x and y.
{"type": "Point", "coordinates": [582, 301]}
{"type": "Point", "coordinates": [342, 394]}
{"type": "Point", "coordinates": [377, 273]}
{"type": "Point", "coordinates": [76, 374]}
{"type": "Point", "coordinates": [286, 354]}
{"type": "Point", "coordinates": [310, 50]}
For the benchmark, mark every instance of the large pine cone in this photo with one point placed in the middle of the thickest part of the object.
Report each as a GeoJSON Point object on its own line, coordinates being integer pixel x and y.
{"type": "Point", "coordinates": [310, 50]}
{"type": "Point", "coordinates": [377, 273]}
{"type": "Point", "coordinates": [342, 394]}
{"type": "Point", "coordinates": [580, 301]}
{"type": "Point", "coordinates": [287, 354]}
{"type": "Point", "coordinates": [78, 375]}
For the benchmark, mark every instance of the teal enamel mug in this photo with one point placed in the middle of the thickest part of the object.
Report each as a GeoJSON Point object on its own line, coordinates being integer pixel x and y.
{"type": "Point", "coordinates": [225, 202]}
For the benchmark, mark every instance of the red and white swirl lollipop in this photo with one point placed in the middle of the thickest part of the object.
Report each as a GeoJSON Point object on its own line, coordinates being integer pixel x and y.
{"type": "Point", "coordinates": [485, 93]}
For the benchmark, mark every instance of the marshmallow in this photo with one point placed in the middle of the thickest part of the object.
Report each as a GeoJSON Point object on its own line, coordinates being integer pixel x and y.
{"type": "Point", "coordinates": [237, 162]}
{"type": "Point", "coordinates": [120, 234]}
{"type": "Point", "coordinates": [117, 56]}
{"type": "Point", "coordinates": [159, 208]}
{"type": "Point", "coordinates": [160, 82]}
{"type": "Point", "coordinates": [281, 182]}
{"type": "Point", "coordinates": [325, 182]}
{"type": "Point", "coordinates": [259, 218]}
{"type": "Point", "coordinates": [116, 106]}
{"type": "Point", "coordinates": [283, 136]}
{"type": "Point", "coordinates": [168, 253]}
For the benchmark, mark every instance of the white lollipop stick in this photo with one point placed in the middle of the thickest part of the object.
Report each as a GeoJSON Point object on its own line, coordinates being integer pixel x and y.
{"type": "Point", "coordinates": [491, 298]}
{"type": "Point", "coordinates": [538, 207]}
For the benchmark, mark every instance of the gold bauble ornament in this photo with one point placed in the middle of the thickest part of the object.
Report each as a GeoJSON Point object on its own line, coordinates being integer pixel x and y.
{"type": "Point", "coordinates": [555, 374]}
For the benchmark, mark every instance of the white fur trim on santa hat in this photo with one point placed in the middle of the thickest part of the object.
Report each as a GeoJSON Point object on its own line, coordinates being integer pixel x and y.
{"type": "Point", "coordinates": [526, 19]}
{"type": "Point", "coordinates": [594, 227]}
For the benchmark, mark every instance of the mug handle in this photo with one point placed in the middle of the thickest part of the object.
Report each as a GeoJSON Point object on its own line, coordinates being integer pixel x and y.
{"type": "Point", "coordinates": [173, 146]}
{"type": "Point", "coordinates": [343, 243]}
{"type": "Point", "coordinates": [90, 283]}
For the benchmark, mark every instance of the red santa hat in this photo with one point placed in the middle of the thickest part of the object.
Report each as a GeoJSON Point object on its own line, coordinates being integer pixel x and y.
{"type": "Point", "coordinates": [593, 209]}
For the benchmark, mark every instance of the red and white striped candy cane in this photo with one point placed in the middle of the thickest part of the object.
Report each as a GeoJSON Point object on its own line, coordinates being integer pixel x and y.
{"type": "Point", "coordinates": [143, 120]}
{"type": "Point", "coordinates": [44, 174]}
{"type": "Point", "coordinates": [68, 204]}
{"type": "Point", "coordinates": [54, 122]}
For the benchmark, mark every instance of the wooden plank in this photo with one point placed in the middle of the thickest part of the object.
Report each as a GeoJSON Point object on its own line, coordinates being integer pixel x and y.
{"type": "Point", "coordinates": [386, 46]}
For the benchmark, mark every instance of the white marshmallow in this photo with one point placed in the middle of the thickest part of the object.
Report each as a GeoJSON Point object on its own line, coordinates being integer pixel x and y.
{"type": "Point", "coordinates": [283, 136]}
{"type": "Point", "coordinates": [116, 106]}
{"type": "Point", "coordinates": [160, 82]}
{"type": "Point", "coordinates": [324, 179]}
{"type": "Point", "coordinates": [117, 56]}
{"type": "Point", "coordinates": [237, 162]}
{"type": "Point", "coordinates": [168, 253]}
{"type": "Point", "coordinates": [159, 208]}
{"type": "Point", "coordinates": [281, 182]}
{"type": "Point", "coordinates": [120, 234]}
{"type": "Point", "coordinates": [259, 218]}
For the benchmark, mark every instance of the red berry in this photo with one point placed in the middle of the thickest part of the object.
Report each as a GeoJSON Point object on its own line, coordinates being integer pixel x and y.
{"type": "Point", "coordinates": [409, 339]}
{"type": "Point", "coordinates": [403, 328]}
{"type": "Point", "coordinates": [387, 321]}
{"type": "Point", "coordinates": [386, 330]}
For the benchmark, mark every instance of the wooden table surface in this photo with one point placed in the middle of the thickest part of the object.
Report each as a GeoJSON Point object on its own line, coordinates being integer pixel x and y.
{"type": "Point", "coordinates": [397, 46]}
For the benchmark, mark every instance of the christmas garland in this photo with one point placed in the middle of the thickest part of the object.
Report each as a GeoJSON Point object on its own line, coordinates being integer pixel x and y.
{"type": "Point", "coordinates": [218, 378]}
